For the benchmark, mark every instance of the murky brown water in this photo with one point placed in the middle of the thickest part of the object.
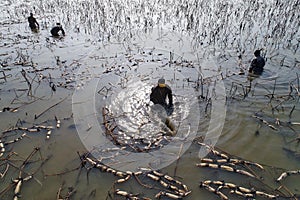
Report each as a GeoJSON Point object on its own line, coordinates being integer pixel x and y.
{"type": "Point", "coordinates": [114, 61]}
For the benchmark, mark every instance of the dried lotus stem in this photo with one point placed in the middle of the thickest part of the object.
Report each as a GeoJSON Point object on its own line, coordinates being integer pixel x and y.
{"type": "Point", "coordinates": [226, 168]}
{"type": "Point", "coordinates": [287, 173]}
{"type": "Point", "coordinates": [167, 194]}
{"type": "Point", "coordinates": [265, 122]}
{"type": "Point", "coordinates": [105, 168]}
{"type": "Point", "coordinates": [130, 196]}
{"type": "Point", "coordinates": [213, 190]}
{"type": "Point", "coordinates": [234, 189]}
{"type": "Point", "coordinates": [15, 140]}
{"type": "Point", "coordinates": [57, 122]}
{"type": "Point", "coordinates": [2, 148]}
{"type": "Point", "coordinates": [226, 158]}
{"type": "Point", "coordinates": [122, 180]}
{"type": "Point", "coordinates": [48, 134]}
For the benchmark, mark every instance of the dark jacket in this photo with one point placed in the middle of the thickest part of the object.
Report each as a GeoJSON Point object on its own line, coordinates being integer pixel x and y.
{"type": "Point", "coordinates": [159, 94]}
{"type": "Point", "coordinates": [257, 65]}
{"type": "Point", "coordinates": [56, 29]}
{"type": "Point", "coordinates": [33, 24]}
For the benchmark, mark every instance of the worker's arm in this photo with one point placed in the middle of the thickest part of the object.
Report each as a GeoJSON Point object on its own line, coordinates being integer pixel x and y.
{"type": "Point", "coordinates": [253, 64]}
{"type": "Point", "coordinates": [38, 25]}
{"type": "Point", "coordinates": [152, 96]}
{"type": "Point", "coordinates": [62, 31]}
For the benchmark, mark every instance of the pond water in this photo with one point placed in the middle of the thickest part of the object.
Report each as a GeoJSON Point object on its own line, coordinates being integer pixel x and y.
{"type": "Point", "coordinates": [55, 90]}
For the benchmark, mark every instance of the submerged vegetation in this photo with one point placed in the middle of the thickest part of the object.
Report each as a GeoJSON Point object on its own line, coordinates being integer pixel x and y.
{"type": "Point", "coordinates": [115, 42]}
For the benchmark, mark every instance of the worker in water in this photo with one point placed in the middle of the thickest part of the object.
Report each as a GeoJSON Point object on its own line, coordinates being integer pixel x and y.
{"type": "Point", "coordinates": [33, 24]}
{"type": "Point", "coordinates": [55, 31]}
{"type": "Point", "coordinates": [257, 64]}
{"type": "Point", "coordinates": [159, 95]}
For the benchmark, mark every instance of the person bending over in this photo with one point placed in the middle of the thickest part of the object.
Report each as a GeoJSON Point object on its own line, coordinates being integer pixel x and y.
{"type": "Point", "coordinates": [56, 30]}
{"type": "Point", "coordinates": [160, 93]}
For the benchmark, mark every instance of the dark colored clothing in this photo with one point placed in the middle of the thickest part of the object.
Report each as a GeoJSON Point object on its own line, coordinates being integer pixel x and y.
{"type": "Point", "coordinates": [56, 29]}
{"type": "Point", "coordinates": [33, 24]}
{"type": "Point", "coordinates": [159, 94]}
{"type": "Point", "coordinates": [257, 65]}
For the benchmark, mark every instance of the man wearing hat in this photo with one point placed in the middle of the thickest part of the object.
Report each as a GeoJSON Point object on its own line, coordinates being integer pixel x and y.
{"type": "Point", "coordinates": [159, 94]}
{"type": "Point", "coordinates": [257, 64]}
{"type": "Point", "coordinates": [161, 108]}
{"type": "Point", "coordinates": [56, 29]}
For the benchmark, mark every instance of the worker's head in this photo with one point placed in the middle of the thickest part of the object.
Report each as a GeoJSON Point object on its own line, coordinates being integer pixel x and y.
{"type": "Point", "coordinates": [161, 82]}
{"type": "Point", "coordinates": [58, 24]}
{"type": "Point", "coordinates": [31, 14]}
{"type": "Point", "coordinates": [257, 53]}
